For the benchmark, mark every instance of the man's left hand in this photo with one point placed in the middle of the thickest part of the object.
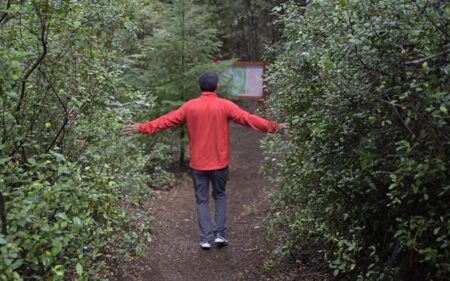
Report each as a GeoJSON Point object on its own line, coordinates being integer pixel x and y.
{"type": "Point", "coordinates": [131, 129]}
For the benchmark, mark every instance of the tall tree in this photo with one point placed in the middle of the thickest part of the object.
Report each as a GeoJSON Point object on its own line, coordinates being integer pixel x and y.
{"type": "Point", "coordinates": [179, 47]}
{"type": "Point", "coordinates": [246, 27]}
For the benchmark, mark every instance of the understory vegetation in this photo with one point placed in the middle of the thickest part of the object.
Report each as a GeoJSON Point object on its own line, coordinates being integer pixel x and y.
{"type": "Point", "coordinates": [67, 177]}
{"type": "Point", "coordinates": [364, 86]}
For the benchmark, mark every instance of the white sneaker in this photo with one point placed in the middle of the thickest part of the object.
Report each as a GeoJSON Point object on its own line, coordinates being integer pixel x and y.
{"type": "Point", "coordinates": [205, 245]}
{"type": "Point", "coordinates": [220, 240]}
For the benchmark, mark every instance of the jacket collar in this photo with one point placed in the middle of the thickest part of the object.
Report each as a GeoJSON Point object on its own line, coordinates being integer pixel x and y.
{"type": "Point", "coordinates": [208, 94]}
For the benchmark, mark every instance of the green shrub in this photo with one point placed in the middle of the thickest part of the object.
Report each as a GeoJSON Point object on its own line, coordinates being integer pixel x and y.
{"type": "Point", "coordinates": [64, 216]}
{"type": "Point", "coordinates": [364, 86]}
{"type": "Point", "coordinates": [70, 184]}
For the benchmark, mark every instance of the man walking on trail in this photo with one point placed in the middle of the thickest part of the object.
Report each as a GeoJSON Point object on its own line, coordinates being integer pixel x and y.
{"type": "Point", "coordinates": [206, 118]}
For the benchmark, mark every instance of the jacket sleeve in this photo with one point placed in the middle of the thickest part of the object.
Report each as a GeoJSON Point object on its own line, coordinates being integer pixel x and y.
{"type": "Point", "coordinates": [171, 119]}
{"type": "Point", "coordinates": [245, 118]}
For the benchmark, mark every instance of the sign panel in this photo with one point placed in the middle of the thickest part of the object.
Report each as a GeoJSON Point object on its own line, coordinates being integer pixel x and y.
{"type": "Point", "coordinates": [254, 81]}
{"type": "Point", "coordinates": [238, 78]}
{"type": "Point", "coordinates": [246, 79]}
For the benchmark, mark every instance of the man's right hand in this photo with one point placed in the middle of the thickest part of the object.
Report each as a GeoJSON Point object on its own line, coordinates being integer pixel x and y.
{"type": "Point", "coordinates": [283, 126]}
{"type": "Point", "coordinates": [131, 129]}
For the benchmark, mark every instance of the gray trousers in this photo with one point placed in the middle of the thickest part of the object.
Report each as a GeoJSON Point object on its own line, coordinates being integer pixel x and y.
{"type": "Point", "coordinates": [218, 179]}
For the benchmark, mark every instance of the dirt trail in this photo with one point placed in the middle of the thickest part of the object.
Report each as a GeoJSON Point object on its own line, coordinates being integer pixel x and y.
{"type": "Point", "coordinates": [174, 253]}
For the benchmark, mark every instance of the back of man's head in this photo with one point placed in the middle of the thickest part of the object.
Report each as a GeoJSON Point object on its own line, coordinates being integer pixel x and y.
{"type": "Point", "coordinates": [208, 82]}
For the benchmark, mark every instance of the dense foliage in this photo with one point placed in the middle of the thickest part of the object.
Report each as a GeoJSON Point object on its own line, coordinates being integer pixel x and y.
{"type": "Point", "coordinates": [67, 179]}
{"type": "Point", "coordinates": [364, 85]}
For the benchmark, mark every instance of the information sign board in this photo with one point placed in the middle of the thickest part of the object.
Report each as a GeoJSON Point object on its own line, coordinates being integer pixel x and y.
{"type": "Point", "coordinates": [247, 79]}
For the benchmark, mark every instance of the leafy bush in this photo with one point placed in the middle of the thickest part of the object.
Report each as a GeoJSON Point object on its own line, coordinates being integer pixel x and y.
{"type": "Point", "coordinates": [69, 183]}
{"type": "Point", "coordinates": [364, 86]}
{"type": "Point", "coordinates": [63, 215]}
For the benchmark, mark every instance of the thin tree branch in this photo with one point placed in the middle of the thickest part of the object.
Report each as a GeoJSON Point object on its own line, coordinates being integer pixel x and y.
{"type": "Point", "coordinates": [358, 56]}
{"type": "Point", "coordinates": [399, 116]}
{"type": "Point", "coordinates": [389, 101]}
{"type": "Point", "coordinates": [3, 215]}
{"type": "Point", "coordinates": [60, 131]}
{"type": "Point", "coordinates": [38, 61]}
{"type": "Point", "coordinates": [402, 106]}
{"type": "Point", "coordinates": [4, 19]}
{"type": "Point", "coordinates": [5, 129]}
{"type": "Point", "coordinates": [419, 61]}
{"type": "Point", "coordinates": [423, 12]}
{"type": "Point", "coordinates": [63, 105]}
{"type": "Point", "coordinates": [64, 109]}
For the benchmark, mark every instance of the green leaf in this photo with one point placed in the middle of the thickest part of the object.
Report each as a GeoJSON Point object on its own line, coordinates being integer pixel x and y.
{"type": "Point", "coordinates": [61, 216]}
{"type": "Point", "coordinates": [352, 266]}
{"type": "Point", "coordinates": [13, 95]}
{"type": "Point", "coordinates": [7, 11]}
{"type": "Point", "coordinates": [59, 157]}
{"type": "Point", "coordinates": [443, 109]}
{"type": "Point", "coordinates": [58, 270]}
{"type": "Point", "coordinates": [79, 269]}
{"type": "Point", "coordinates": [336, 272]}
{"type": "Point", "coordinates": [76, 24]}
{"type": "Point", "coordinates": [15, 265]}
{"type": "Point", "coordinates": [56, 248]}
{"type": "Point", "coordinates": [77, 221]}
{"type": "Point", "coordinates": [3, 160]}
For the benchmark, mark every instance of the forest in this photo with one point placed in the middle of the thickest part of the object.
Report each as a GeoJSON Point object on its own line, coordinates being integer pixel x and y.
{"type": "Point", "coordinates": [361, 178]}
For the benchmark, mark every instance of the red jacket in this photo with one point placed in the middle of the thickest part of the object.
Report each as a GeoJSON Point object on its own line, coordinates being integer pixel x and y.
{"type": "Point", "coordinates": [206, 118]}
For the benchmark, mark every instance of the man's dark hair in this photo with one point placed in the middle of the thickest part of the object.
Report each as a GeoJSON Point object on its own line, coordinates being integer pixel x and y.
{"type": "Point", "coordinates": [208, 81]}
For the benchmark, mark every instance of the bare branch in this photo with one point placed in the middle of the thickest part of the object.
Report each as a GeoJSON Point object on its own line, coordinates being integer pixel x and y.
{"type": "Point", "coordinates": [4, 19]}
{"type": "Point", "coordinates": [38, 61]}
{"type": "Point", "coordinates": [399, 115]}
{"type": "Point", "coordinates": [65, 112]}
{"type": "Point", "coordinates": [419, 61]}
{"type": "Point", "coordinates": [3, 215]}
{"type": "Point", "coordinates": [424, 12]}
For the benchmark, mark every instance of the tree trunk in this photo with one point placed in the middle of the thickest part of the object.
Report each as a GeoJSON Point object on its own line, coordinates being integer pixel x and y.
{"type": "Point", "coordinates": [3, 215]}
{"type": "Point", "coordinates": [183, 96]}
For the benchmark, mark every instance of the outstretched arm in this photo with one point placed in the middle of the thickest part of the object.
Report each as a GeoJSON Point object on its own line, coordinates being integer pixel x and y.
{"type": "Point", "coordinates": [168, 120]}
{"type": "Point", "coordinates": [245, 118]}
